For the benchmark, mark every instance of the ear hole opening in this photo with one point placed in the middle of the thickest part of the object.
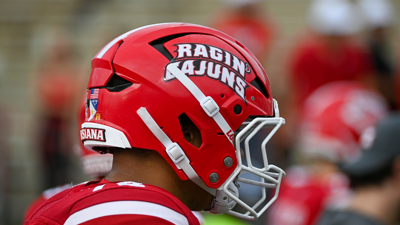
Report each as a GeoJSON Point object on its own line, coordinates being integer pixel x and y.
{"type": "Point", "coordinates": [190, 131]}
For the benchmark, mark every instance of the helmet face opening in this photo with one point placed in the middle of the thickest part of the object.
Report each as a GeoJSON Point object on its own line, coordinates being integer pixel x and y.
{"type": "Point", "coordinates": [148, 85]}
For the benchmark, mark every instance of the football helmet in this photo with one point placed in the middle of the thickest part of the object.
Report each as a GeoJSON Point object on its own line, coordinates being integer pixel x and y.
{"type": "Point", "coordinates": [93, 164]}
{"type": "Point", "coordinates": [148, 80]}
{"type": "Point", "coordinates": [335, 116]}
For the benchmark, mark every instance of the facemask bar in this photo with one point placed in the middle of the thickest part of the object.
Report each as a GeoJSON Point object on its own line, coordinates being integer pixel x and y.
{"type": "Point", "coordinates": [270, 175]}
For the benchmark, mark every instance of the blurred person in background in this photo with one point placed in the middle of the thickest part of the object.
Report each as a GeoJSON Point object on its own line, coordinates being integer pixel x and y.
{"type": "Point", "coordinates": [333, 118]}
{"type": "Point", "coordinates": [398, 90]}
{"type": "Point", "coordinates": [93, 164]}
{"type": "Point", "coordinates": [325, 53]}
{"type": "Point", "coordinates": [328, 53]}
{"type": "Point", "coordinates": [57, 84]}
{"type": "Point", "coordinates": [247, 22]}
{"type": "Point", "coordinates": [375, 179]}
{"type": "Point", "coordinates": [4, 164]}
{"type": "Point", "coordinates": [379, 18]}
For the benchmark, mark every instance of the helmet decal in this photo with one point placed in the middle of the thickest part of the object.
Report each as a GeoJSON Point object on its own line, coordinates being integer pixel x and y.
{"type": "Point", "coordinates": [93, 102]}
{"type": "Point", "coordinates": [195, 59]}
{"type": "Point", "coordinates": [93, 164]}
{"type": "Point", "coordinates": [93, 134]}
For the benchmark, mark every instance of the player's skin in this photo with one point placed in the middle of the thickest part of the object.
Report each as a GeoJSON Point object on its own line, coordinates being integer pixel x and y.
{"type": "Point", "coordinates": [149, 167]}
{"type": "Point", "coordinates": [380, 201]}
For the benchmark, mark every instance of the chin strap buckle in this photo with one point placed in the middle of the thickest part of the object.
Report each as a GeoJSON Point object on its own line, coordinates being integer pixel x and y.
{"type": "Point", "coordinates": [176, 154]}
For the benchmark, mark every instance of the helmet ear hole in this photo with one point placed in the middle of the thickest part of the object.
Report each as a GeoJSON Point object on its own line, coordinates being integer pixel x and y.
{"type": "Point", "coordinates": [190, 131]}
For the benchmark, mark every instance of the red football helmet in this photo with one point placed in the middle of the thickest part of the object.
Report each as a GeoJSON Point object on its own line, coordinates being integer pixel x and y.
{"type": "Point", "coordinates": [335, 116]}
{"type": "Point", "coordinates": [148, 79]}
{"type": "Point", "coordinates": [93, 164]}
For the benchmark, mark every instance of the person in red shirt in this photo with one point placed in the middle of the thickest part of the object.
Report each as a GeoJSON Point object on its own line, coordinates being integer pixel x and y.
{"type": "Point", "coordinates": [56, 86]}
{"type": "Point", "coordinates": [328, 54]}
{"type": "Point", "coordinates": [323, 60]}
{"type": "Point", "coordinates": [172, 102]}
{"type": "Point", "coordinates": [334, 118]}
{"type": "Point", "coordinates": [380, 19]}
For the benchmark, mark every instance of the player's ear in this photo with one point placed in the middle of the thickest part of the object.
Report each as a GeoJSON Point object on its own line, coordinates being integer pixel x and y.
{"type": "Point", "coordinates": [192, 135]}
{"type": "Point", "coordinates": [189, 137]}
{"type": "Point", "coordinates": [190, 132]}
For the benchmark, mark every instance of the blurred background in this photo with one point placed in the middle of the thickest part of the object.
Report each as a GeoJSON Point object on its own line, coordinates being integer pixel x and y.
{"type": "Point", "coordinates": [46, 47]}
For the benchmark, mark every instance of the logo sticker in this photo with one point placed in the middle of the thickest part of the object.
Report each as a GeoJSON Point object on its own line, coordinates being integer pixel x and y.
{"type": "Point", "coordinates": [92, 103]}
{"type": "Point", "coordinates": [98, 116]}
{"type": "Point", "coordinates": [93, 134]}
{"type": "Point", "coordinates": [215, 63]}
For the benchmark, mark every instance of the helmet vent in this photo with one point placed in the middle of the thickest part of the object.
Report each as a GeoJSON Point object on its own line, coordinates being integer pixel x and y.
{"type": "Point", "coordinates": [259, 86]}
{"type": "Point", "coordinates": [190, 131]}
{"type": "Point", "coordinates": [117, 84]}
{"type": "Point", "coordinates": [159, 44]}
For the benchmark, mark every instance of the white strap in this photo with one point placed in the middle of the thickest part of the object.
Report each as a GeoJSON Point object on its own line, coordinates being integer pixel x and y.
{"type": "Point", "coordinates": [154, 128]}
{"type": "Point", "coordinates": [208, 104]}
{"type": "Point", "coordinates": [174, 151]}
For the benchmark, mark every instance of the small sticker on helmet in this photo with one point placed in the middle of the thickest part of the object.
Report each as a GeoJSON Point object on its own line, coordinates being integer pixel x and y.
{"type": "Point", "coordinates": [92, 103]}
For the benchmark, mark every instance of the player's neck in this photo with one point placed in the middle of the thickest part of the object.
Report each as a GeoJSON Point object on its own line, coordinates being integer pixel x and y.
{"type": "Point", "coordinates": [377, 202]}
{"type": "Point", "coordinates": [154, 170]}
{"type": "Point", "coordinates": [149, 169]}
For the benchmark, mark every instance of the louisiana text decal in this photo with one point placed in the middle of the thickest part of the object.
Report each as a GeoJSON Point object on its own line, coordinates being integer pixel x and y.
{"type": "Point", "coordinates": [93, 134]}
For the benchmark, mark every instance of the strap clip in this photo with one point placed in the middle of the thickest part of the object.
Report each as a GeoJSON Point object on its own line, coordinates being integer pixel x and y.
{"type": "Point", "coordinates": [209, 106]}
{"type": "Point", "coordinates": [176, 154]}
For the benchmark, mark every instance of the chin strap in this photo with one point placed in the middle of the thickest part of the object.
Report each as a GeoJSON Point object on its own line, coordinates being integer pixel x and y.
{"type": "Point", "coordinates": [174, 151]}
{"type": "Point", "coordinates": [222, 203]}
